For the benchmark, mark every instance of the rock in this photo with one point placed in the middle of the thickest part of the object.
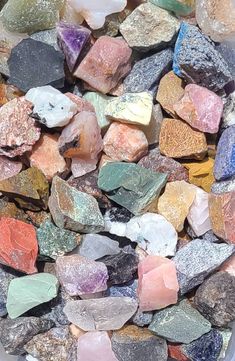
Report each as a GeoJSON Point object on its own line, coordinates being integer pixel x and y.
{"type": "Point", "coordinates": [180, 323]}
{"type": "Point", "coordinates": [146, 73]}
{"type": "Point", "coordinates": [126, 290]}
{"type": "Point", "coordinates": [152, 130]}
{"type": "Point", "coordinates": [102, 314]}
{"type": "Point", "coordinates": [115, 220]}
{"type": "Point", "coordinates": [229, 111]}
{"type": "Point", "coordinates": [215, 298]}
{"type": "Point", "coordinates": [72, 40]}
{"type": "Point", "coordinates": [225, 161]}
{"type": "Point", "coordinates": [201, 173]}
{"type": "Point", "coordinates": [198, 216]}
{"type": "Point", "coordinates": [27, 292]}
{"type": "Point", "coordinates": [80, 275]}
{"type": "Point", "coordinates": [18, 131]}
{"type": "Point", "coordinates": [94, 13]}
{"type": "Point", "coordinates": [8, 92]}
{"type": "Point", "coordinates": [149, 27]}
{"type": "Point", "coordinates": [8, 168]}
{"type": "Point", "coordinates": [37, 218]}
{"type": "Point", "coordinates": [14, 334]}
{"type": "Point", "coordinates": [226, 336]}
{"type": "Point", "coordinates": [99, 101]}
{"type": "Point", "coordinates": [229, 266]}
{"type": "Point", "coordinates": [176, 201]}
{"type": "Point", "coordinates": [130, 185]}
{"type": "Point", "coordinates": [200, 108]}
{"type": "Point", "coordinates": [225, 186]}
{"type": "Point", "coordinates": [131, 108]}
{"type": "Point", "coordinates": [158, 163]}
{"type": "Point", "coordinates": [153, 233]}
{"type": "Point", "coordinates": [47, 36]}
{"type": "Point", "coordinates": [70, 16]}
{"type": "Point", "coordinates": [28, 70]}
{"type": "Point", "coordinates": [54, 242]}
{"type": "Point", "coordinates": [158, 286]}
{"type": "Point", "coordinates": [197, 260]}
{"type": "Point", "coordinates": [6, 276]}
{"type": "Point", "coordinates": [179, 140]}
{"type": "Point", "coordinates": [106, 64]}
{"type": "Point", "coordinates": [95, 246]}
{"type": "Point", "coordinates": [134, 343]}
{"type": "Point", "coordinates": [197, 61]}
{"type": "Point", "coordinates": [142, 318]}
{"type": "Point", "coordinates": [51, 344]}
{"type": "Point", "coordinates": [125, 142]}
{"type": "Point", "coordinates": [82, 103]}
{"type": "Point", "coordinates": [18, 245]}
{"type": "Point", "coordinates": [228, 53]}
{"type": "Point", "coordinates": [170, 90]}
{"type": "Point", "coordinates": [179, 7]}
{"type": "Point", "coordinates": [74, 210]}
{"type": "Point", "coordinates": [8, 209]}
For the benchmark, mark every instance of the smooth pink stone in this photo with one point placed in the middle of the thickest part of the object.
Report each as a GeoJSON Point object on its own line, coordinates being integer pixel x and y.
{"type": "Point", "coordinates": [82, 103]}
{"type": "Point", "coordinates": [158, 285]}
{"type": "Point", "coordinates": [201, 108]}
{"type": "Point", "coordinates": [106, 64]}
{"type": "Point", "coordinates": [8, 168]}
{"type": "Point", "coordinates": [229, 266]}
{"type": "Point", "coordinates": [95, 346]}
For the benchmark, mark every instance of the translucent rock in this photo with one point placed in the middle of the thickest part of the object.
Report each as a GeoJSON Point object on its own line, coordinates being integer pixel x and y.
{"type": "Point", "coordinates": [8, 168]}
{"type": "Point", "coordinates": [225, 161]}
{"type": "Point", "coordinates": [102, 314]}
{"type": "Point", "coordinates": [95, 13]}
{"type": "Point", "coordinates": [99, 101]}
{"type": "Point", "coordinates": [95, 246]}
{"type": "Point", "coordinates": [179, 7]}
{"type": "Point", "coordinates": [51, 107]}
{"type": "Point", "coordinates": [142, 318]}
{"type": "Point", "coordinates": [198, 216]}
{"type": "Point", "coordinates": [68, 14]}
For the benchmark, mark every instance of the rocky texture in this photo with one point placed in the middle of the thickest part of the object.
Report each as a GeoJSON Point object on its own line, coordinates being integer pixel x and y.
{"type": "Point", "coordinates": [134, 343]}
{"type": "Point", "coordinates": [6, 276]}
{"type": "Point", "coordinates": [198, 216]}
{"type": "Point", "coordinates": [127, 290]}
{"type": "Point", "coordinates": [115, 220]}
{"type": "Point", "coordinates": [180, 323]}
{"type": "Point", "coordinates": [95, 246]}
{"type": "Point", "coordinates": [146, 73]}
{"type": "Point", "coordinates": [215, 299]}
{"type": "Point", "coordinates": [8, 92]}
{"type": "Point", "coordinates": [125, 142]}
{"type": "Point", "coordinates": [102, 314]}
{"type": "Point", "coordinates": [142, 319]}
{"type": "Point", "coordinates": [9, 209]}
{"type": "Point", "coordinates": [82, 103]}
{"type": "Point", "coordinates": [106, 64]}
{"type": "Point", "coordinates": [152, 131]}
{"type": "Point", "coordinates": [8, 168]}
{"type": "Point", "coordinates": [47, 36]}
{"type": "Point", "coordinates": [74, 210]}
{"type": "Point", "coordinates": [99, 101]}
{"type": "Point", "coordinates": [80, 275]}
{"type": "Point", "coordinates": [198, 259]}
{"type": "Point", "coordinates": [178, 140]}
{"type": "Point", "coordinates": [201, 173]}
{"type": "Point", "coordinates": [225, 158]}
{"type": "Point", "coordinates": [149, 27]}
{"type": "Point", "coordinates": [229, 110]}
{"type": "Point", "coordinates": [130, 185]}
{"type": "Point", "coordinates": [179, 7]}
{"type": "Point", "coordinates": [197, 61]}
{"type": "Point", "coordinates": [158, 286]}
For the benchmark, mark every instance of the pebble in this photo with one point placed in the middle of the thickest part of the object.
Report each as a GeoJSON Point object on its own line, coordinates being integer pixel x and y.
{"type": "Point", "coordinates": [102, 314]}
{"type": "Point", "coordinates": [201, 173]}
{"type": "Point", "coordinates": [225, 158]}
{"type": "Point", "coordinates": [198, 216]}
{"type": "Point", "coordinates": [95, 246]}
{"type": "Point", "coordinates": [9, 168]}
{"type": "Point", "coordinates": [99, 101]}
{"type": "Point", "coordinates": [179, 7]}
{"type": "Point", "coordinates": [180, 323]}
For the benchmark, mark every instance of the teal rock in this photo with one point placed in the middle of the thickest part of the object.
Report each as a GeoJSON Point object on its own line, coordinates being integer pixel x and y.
{"type": "Point", "coordinates": [54, 242]}
{"type": "Point", "coordinates": [27, 292]}
{"type": "Point", "coordinates": [179, 7]}
{"type": "Point", "coordinates": [73, 209]}
{"type": "Point", "coordinates": [130, 185]}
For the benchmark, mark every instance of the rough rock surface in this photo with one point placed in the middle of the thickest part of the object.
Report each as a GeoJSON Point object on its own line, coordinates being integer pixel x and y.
{"type": "Point", "coordinates": [225, 157]}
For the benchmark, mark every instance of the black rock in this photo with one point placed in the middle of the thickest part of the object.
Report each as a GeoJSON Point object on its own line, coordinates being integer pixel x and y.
{"type": "Point", "coordinates": [33, 63]}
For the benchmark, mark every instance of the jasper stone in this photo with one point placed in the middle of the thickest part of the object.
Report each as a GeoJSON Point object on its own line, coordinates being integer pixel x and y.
{"type": "Point", "coordinates": [74, 210]}
{"type": "Point", "coordinates": [225, 155]}
{"type": "Point", "coordinates": [201, 173]}
{"type": "Point", "coordinates": [130, 185]}
{"type": "Point", "coordinates": [95, 246]}
{"type": "Point", "coordinates": [8, 168]}
{"type": "Point", "coordinates": [28, 70]}
{"type": "Point", "coordinates": [179, 140]}
{"type": "Point", "coordinates": [106, 64]}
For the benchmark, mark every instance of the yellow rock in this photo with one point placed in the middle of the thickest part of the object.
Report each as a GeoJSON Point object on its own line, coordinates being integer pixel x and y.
{"type": "Point", "coordinates": [201, 173]}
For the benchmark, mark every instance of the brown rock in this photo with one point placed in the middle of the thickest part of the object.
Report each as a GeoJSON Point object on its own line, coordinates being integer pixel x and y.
{"type": "Point", "coordinates": [8, 92]}
{"type": "Point", "coordinates": [9, 209]}
{"type": "Point", "coordinates": [37, 218]}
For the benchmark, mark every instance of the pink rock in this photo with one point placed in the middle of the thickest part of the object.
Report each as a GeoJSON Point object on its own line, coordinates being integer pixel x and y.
{"type": "Point", "coordinates": [106, 64]}
{"type": "Point", "coordinates": [82, 103]}
{"type": "Point", "coordinates": [201, 108]}
{"type": "Point", "coordinates": [229, 266]}
{"type": "Point", "coordinates": [8, 168]}
{"type": "Point", "coordinates": [80, 167]}
{"type": "Point", "coordinates": [158, 285]}
{"type": "Point", "coordinates": [95, 346]}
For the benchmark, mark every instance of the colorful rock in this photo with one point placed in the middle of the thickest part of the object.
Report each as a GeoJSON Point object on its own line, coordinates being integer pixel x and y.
{"type": "Point", "coordinates": [225, 157]}
{"type": "Point", "coordinates": [8, 168]}
{"type": "Point", "coordinates": [179, 7]}
{"type": "Point", "coordinates": [201, 173]}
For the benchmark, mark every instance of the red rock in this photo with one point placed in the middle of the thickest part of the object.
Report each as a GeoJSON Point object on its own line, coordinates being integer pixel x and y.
{"type": "Point", "coordinates": [8, 168]}
{"type": "Point", "coordinates": [82, 103]}
{"type": "Point", "coordinates": [18, 245]}
{"type": "Point", "coordinates": [106, 64]}
{"type": "Point", "coordinates": [175, 351]}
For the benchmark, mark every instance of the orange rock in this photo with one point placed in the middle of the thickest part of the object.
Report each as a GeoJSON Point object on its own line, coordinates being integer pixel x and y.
{"type": "Point", "coordinates": [8, 92]}
{"type": "Point", "coordinates": [83, 104]}
{"type": "Point", "coordinates": [176, 353]}
{"type": "Point", "coordinates": [76, 331]}
{"type": "Point", "coordinates": [125, 142]}
{"type": "Point", "coordinates": [18, 245]}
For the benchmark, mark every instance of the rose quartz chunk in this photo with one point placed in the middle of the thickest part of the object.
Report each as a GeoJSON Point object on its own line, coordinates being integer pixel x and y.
{"type": "Point", "coordinates": [106, 64]}
{"type": "Point", "coordinates": [158, 285]}
{"type": "Point", "coordinates": [201, 108]}
{"type": "Point", "coordinates": [95, 346]}
{"type": "Point", "coordinates": [8, 168]}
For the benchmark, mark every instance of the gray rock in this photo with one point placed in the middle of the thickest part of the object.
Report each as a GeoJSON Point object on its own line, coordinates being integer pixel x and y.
{"type": "Point", "coordinates": [180, 323]}
{"type": "Point", "coordinates": [229, 111]}
{"type": "Point", "coordinates": [95, 246]}
{"type": "Point", "coordinates": [210, 237]}
{"type": "Point", "coordinates": [228, 53]}
{"type": "Point", "coordinates": [6, 275]}
{"type": "Point", "coordinates": [223, 186]}
{"type": "Point", "coordinates": [199, 258]}
{"type": "Point", "coordinates": [48, 37]}
{"type": "Point", "coordinates": [142, 318]}
{"type": "Point", "coordinates": [128, 290]}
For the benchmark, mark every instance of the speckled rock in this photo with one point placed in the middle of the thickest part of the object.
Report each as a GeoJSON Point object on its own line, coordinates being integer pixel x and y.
{"type": "Point", "coordinates": [95, 246]}
{"type": "Point", "coordinates": [9, 168]}
{"type": "Point", "coordinates": [225, 158]}
{"type": "Point", "coordinates": [6, 276]}
{"type": "Point", "coordinates": [198, 216]}
{"type": "Point", "coordinates": [47, 36]}
{"type": "Point", "coordinates": [9, 209]}
{"type": "Point", "coordinates": [152, 130]}
{"type": "Point", "coordinates": [142, 319]}
{"type": "Point", "coordinates": [126, 290]}
{"type": "Point", "coordinates": [201, 173]}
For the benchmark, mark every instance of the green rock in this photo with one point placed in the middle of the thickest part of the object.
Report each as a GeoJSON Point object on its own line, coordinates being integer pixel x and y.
{"type": "Point", "coordinates": [54, 242]}
{"type": "Point", "coordinates": [179, 7]}
{"type": "Point", "coordinates": [180, 323]}
{"type": "Point", "coordinates": [130, 185]}
{"type": "Point", "coordinates": [27, 292]}
{"type": "Point", "coordinates": [29, 16]}
{"type": "Point", "coordinates": [99, 101]}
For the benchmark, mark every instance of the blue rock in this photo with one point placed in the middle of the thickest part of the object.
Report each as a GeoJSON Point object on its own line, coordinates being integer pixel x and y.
{"type": "Point", "coordinates": [142, 318]}
{"type": "Point", "coordinates": [129, 290]}
{"type": "Point", "coordinates": [225, 157]}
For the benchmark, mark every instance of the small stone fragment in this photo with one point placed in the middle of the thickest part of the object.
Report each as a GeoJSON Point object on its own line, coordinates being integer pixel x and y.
{"type": "Point", "coordinates": [225, 156]}
{"type": "Point", "coordinates": [201, 173]}
{"type": "Point", "coordinates": [74, 210]}
{"type": "Point", "coordinates": [28, 70]}
{"type": "Point", "coordinates": [8, 168]}
{"type": "Point", "coordinates": [142, 318]}
{"type": "Point", "coordinates": [37, 218]}
{"type": "Point", "coordinates": [125, 142]}
{"type": "Point", "coordinates": [47, 36]}
{"type": "Point", "coordinates": [80, 275]}
{"type": "Point", "coordinates": [226, 336]}
{"type": "Point", "coordinates": [152, 130]}
{"type": "Point", "coordinates": [229, 266]}
{"type": "Point", "coordinates": [95, 246]}
{"type": "Point", "coordinates": [198, 259]}
{"type": "Point", "coordinates": [180, 323]}
{"type": "Point", "coordinates": [9, 209]}
{"type": "Point", "coordinates": [106, 64]}
{"type": "Point", "coordinates": [115, 220]}
{"type": "Point", "coordinates": [198, 216]}
{"type": "Point", "coordinates": [130, 185]}
{"type": "Point", "coordinates": [158, 286]}
{"type": "Point", "coordinates": [126, 290]}
{"type": "Point", "coordinates": [8, 92]}
{"type": "Point", "coordinates": [179, 7]}
{"type": "Point", "coordinates": [6, 276]}
{"type": "Point", "coordinates": [229, 111]}
{"type": "Point", "coordinates": [176, 353]}
{"type": "Point", "coordinates": [82, 103]}
{"type": "Point", "coordinates": [101, 314]}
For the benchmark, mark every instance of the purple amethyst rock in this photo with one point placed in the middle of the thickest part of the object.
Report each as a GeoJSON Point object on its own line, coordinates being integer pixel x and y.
{"type": "Point", "coordinates": [72, 39]}
{"type": "Point", "coordinates": [225, 157]}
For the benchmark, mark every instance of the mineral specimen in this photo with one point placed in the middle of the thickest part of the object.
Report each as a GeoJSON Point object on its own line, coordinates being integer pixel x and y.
{"type": "Point", "coordinates": [179, 7]}
{"type": "Point", "coordinates": [225, 157]}
{"type": "Point", "coordinates": [198, 216]}
{"type": "Point", "coordinates": [152, 130]}
{"type": "Point", "coordinates": [47, 36]}
{"type": "Point", "coordinates": [8, 92]}
{"type": "Point", "coordinates": [95, 246]}
{"type": "Point", "coordinates": [8, 168]}
{"type": "Point", "coordinates": [6, 276]}
{"type": "Point", "coordinates": [201, 173]}
{"type": "Point", "coordinates": [99, 101]}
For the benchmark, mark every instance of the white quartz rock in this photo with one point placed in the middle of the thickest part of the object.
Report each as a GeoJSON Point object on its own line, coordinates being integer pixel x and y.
{"type": "Point", "coordinates": [198, 216]}
{"type": "Point", "coordinates": [95, 246]}
{"type": "Point", "coordinates": [53, 108]}
{"type": "Point", "coordinates": [95, 11]}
